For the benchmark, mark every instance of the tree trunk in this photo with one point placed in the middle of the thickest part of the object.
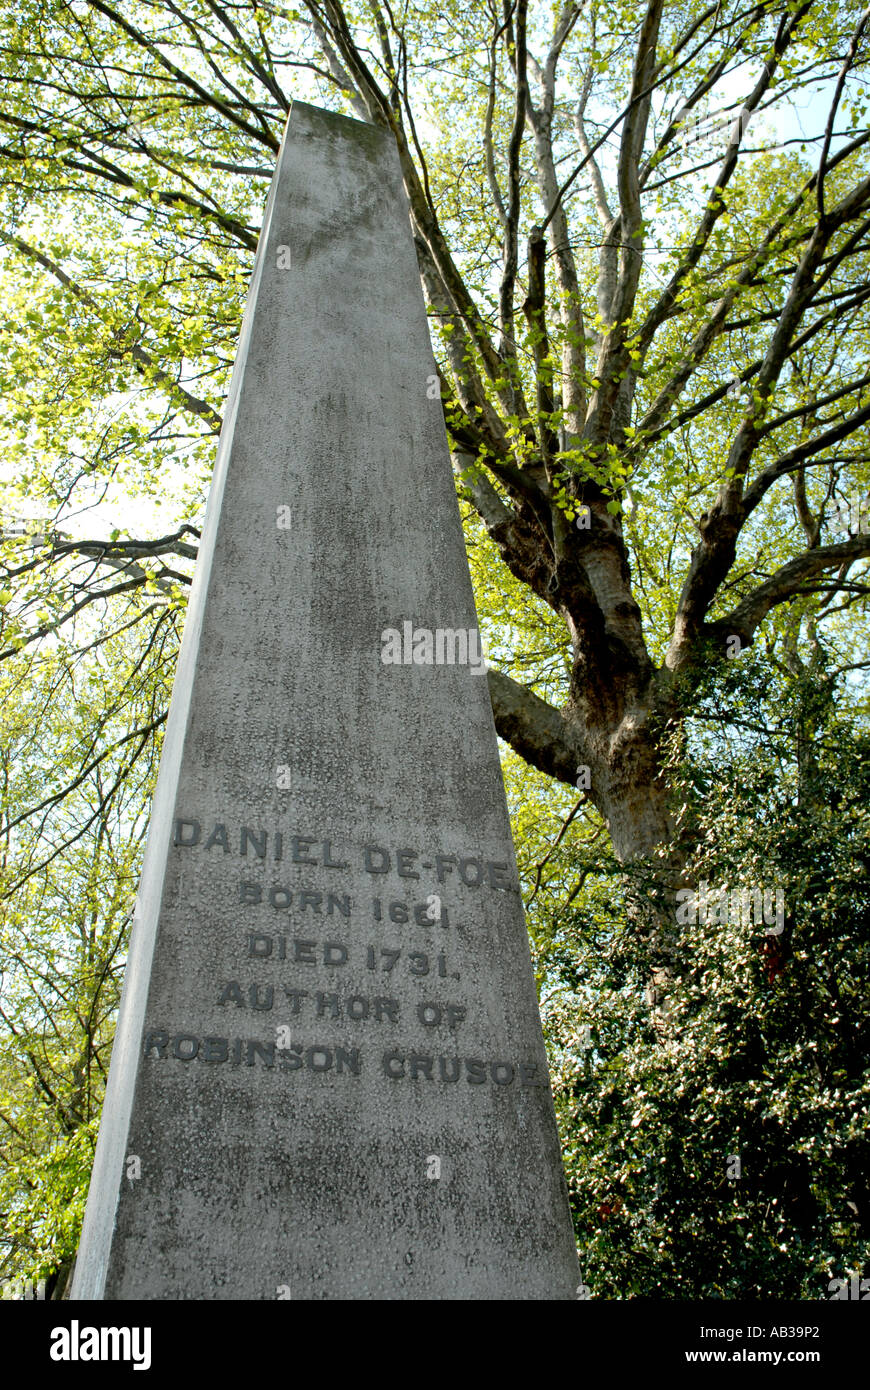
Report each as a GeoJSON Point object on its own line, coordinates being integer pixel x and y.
{"type": "Point", "coordinates": [617, 761]}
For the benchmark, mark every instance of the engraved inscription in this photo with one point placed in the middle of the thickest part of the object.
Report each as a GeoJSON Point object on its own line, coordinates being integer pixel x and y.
{"type": "Point", "coordinates": [396, 1064]}
{"type": "Point", "coordinates": [306, 996]}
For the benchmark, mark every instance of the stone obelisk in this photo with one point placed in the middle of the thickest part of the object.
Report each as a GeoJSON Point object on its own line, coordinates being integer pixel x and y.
{"type": "Point", "coordinates": [329, 1079]}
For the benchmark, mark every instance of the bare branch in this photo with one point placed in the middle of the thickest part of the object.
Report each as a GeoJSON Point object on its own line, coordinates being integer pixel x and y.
{"type": "Point", "coordinates": [832, 115]}
{"type": "Point", "coordinates": [789, 580]}
{"type": "Point", "coordinates": [538, 732]}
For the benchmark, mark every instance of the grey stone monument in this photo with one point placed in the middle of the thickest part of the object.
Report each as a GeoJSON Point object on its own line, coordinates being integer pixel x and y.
{"type": "Point", "coordinates": [329, 1079]}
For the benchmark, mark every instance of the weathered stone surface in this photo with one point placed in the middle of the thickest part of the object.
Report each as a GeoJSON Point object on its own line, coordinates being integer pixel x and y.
{"type": "Point", "coordinates": [330, 1093]}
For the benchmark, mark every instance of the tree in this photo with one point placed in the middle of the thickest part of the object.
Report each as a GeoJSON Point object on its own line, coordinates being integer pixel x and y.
{"type": "Point", "coordinates": [699, 351]}
{"type": "Point", "coordinates": [67, 881]}
{"type": "Point", "coordinates": [730, 1162]}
